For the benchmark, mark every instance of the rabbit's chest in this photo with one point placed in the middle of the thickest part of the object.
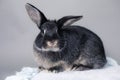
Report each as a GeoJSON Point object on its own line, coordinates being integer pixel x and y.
{"type": "Point", "coordinates": [43, 61]}
{"type": "Point", "coordinates": [47, 63]}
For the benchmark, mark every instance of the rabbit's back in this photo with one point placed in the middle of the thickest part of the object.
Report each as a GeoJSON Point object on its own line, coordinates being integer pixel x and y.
{"type": "Point", "coordinates": [84, 47]}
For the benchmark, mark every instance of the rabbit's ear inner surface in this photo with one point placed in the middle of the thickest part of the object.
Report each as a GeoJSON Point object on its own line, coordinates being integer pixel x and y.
{"type": "Point", "coordinates": [35, 14]}
{"type": "Point", "coordinates": [68, 20]}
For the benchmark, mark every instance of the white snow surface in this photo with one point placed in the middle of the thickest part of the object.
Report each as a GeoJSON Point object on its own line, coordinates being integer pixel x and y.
{"type": "Point", "coordinates": [111, 71]}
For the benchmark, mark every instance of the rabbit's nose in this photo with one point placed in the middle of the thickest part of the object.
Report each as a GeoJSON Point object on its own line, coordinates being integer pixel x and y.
{"type": "Point", "coordinates": [52, 43]}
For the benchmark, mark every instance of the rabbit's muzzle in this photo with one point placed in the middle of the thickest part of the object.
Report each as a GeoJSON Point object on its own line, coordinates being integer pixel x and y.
{"type": "Point", "coordinates": [52, 44]}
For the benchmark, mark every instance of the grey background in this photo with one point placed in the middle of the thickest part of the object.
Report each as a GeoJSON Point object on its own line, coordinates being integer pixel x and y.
{"type": "Point", "coordinates": [17, 31]}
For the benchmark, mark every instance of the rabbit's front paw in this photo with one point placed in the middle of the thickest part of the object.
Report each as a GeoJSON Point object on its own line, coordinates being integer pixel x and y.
{"type": "Point", "coordinates": [41, 68]}
{"type": "Point", "coordinates": [55, 69]}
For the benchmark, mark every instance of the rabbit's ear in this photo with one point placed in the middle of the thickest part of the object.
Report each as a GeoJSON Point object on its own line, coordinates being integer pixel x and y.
{"type": "Point", "coordinates": [68, 20]}
{"type": "Point", "coordinates": [35, 14]}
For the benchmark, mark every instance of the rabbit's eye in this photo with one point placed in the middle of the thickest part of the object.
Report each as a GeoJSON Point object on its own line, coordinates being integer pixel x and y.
{"type": "Point", "coordinates": [45, 31]}
{"type": "Point", "coordinates": [42, 32]}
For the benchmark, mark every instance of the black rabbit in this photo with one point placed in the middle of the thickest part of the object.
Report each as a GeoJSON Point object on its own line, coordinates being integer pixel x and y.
{"type": "Point", "coordinates": [60, 46]}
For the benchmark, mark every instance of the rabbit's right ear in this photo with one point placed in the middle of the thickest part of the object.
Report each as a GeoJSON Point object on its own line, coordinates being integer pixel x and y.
{"type": "Point", "coordinates": [35, 14]}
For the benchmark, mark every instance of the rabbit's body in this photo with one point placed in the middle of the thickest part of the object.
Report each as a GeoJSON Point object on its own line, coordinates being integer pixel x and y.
{"type": "Point", "coordinates": [61, 47]}
{"type": "Point", "coordinates": [82, 48]}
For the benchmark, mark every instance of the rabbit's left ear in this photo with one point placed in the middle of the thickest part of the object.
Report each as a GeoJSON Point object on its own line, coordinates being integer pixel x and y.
{"type": "Point", "coordinates": [68, 20]}
{"type": "Point", "coordinates": [35, 14]}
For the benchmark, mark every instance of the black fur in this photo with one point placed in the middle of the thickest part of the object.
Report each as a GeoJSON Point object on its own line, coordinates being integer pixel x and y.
{"type": "Point", "coordinates": [79, 48]}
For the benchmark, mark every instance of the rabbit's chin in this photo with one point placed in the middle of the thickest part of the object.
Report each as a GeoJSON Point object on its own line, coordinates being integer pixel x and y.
{"type": "Point", "coordinates": [51, 49]}
{"type": "Point", "coordinates": [54, 49]}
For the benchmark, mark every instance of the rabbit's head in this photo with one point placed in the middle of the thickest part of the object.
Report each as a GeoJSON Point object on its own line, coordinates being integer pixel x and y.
{"type": "Point", "coordinates": [50, 30]}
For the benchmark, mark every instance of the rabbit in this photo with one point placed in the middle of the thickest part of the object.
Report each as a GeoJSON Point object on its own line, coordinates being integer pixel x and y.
{"type": "Point", "coordinates": [61, 46]}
